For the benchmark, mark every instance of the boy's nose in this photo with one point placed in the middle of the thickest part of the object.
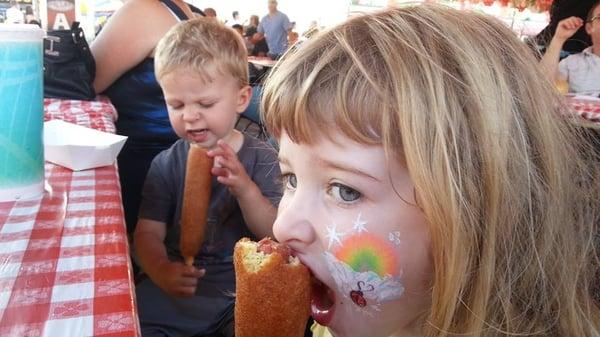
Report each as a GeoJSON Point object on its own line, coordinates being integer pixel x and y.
{"type": "Point", "coordinates": [190, 115]}
{"type": "Point", "coordinates": [293, 225]}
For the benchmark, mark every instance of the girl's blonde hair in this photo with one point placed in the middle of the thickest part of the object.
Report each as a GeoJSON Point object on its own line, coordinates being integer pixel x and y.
{"type": "Point", "coordinates": [204, 47]}
{"type": "Point", "coordinates": [498, 173]}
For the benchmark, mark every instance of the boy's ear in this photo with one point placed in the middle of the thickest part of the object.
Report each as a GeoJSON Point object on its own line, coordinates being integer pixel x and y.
{"type": "Point", "coordinates": [244, 97]}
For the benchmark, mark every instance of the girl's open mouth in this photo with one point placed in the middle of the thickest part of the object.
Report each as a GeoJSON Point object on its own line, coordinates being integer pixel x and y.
{"type": "Point", "coordinates": [322, 302]}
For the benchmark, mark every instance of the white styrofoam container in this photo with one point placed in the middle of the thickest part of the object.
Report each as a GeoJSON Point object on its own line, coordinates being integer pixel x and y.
{"type": "Point", "coordinates": [80, 148]}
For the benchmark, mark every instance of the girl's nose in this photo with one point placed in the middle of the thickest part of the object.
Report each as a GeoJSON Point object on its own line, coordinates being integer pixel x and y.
{"type": "Point", "coordinates": [294, 225]}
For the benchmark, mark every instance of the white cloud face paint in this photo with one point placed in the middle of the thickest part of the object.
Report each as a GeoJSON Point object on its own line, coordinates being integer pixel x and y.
{"type": "Point", "coordinates": [364, 266]}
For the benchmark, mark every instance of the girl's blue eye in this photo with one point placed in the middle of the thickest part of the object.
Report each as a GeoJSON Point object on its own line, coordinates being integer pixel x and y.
{"type": "Point", "coordinates": [289, 180]}
{"type": "Point", "coordinates": [344, 193]}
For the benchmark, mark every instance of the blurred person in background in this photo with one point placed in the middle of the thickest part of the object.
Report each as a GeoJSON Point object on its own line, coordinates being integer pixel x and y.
{"type": "Point", "coordinates": [210, 12]}
{"type": "Point", "coordinates": [13, 13]}
{"type": "Point", "coordinates": [560, 10]}
{"type": "Point", "coordinates": [274, 28]}
{"type": "Point", "coordinates": [239, 29]}
{"type": "Point", "coordinates": [581, 70]}
{"type": "Point", "coordinates": [258, 45]}
{"type": "Point", "coordinates": [29, 16]}
{"type": "Point", "coordinates": [236, 19]}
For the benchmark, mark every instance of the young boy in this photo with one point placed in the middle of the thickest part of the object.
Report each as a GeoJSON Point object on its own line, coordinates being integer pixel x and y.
{"type": "Point", "coordinates": [202, 68]}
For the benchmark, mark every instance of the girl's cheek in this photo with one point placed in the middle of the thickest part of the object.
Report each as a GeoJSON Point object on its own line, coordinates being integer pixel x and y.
{"type": "Point", "coordinates": [364, 266]}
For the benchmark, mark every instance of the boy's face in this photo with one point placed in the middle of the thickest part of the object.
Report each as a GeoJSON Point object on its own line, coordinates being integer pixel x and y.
{"type": "Point", "coordinates": [351, 217]}
{"type": "Point", "coordinates": [204, 112]}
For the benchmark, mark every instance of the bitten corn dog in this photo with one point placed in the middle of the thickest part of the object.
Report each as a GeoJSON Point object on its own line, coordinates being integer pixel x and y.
{"type": "Point", "coordinates": [196, 199]}
{"type": "Point", "coordinates": [272, 290]}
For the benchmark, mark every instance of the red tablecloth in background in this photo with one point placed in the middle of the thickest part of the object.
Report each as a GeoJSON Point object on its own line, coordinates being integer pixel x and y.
{"type": "Point", "coordinates": [64, 258]}
{"type": "Point", "coordinates": [587, 109]}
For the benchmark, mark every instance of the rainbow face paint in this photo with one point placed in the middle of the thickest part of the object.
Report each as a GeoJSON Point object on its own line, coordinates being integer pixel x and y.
{"type": "Point", "coordinates": [364, 266]}
{"type": "Point", "coordinates": [366, 289]}
{"type": "Point", "coordinates": [366, 252]}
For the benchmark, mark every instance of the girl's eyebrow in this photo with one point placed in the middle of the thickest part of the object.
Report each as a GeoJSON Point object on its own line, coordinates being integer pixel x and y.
{"type": "Point", "coordinates": [283, 160]}
{"type": "Point", "coordinates": [335, 166]}
{"type": "Point", "coordinates": [340, 167]}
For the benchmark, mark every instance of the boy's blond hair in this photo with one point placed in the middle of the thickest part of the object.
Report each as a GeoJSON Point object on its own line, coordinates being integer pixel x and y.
{"type": "Point", "coordinates": [204, 47]}
{"type": "Point", "coordinates": [498, 173]}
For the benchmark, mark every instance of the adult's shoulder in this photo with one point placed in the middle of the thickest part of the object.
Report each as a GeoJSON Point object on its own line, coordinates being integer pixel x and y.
{"type": "Point", "coordinates": [132, 8]}
{"type": "Point", "coordinates": [142, 4]}
{"type": "Point", "coordinates": [145, 16]}
{"type": "Point", "coordinates": [133, 30]}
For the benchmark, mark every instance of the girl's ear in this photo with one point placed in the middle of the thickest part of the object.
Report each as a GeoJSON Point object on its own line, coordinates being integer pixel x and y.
{"type": "Point", "coordinates": [244, 97]}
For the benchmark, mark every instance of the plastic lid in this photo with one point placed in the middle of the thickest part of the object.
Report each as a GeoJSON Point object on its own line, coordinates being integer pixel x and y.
{"type": "Point", "coordinates": [21, 32]}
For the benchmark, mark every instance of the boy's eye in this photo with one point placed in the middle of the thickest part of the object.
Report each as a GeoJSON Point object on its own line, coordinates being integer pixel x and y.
{"type": "Point", "coordinates": [206, 105]}
{"type": "Point", "coordinates": [344, 193]}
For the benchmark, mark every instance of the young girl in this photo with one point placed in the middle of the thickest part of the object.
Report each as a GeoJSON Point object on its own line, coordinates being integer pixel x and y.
{"type": "Point", "coordinates": [431, 184]}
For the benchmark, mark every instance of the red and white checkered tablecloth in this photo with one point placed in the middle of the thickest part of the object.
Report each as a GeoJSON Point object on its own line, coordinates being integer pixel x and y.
{"type": "Point", "coordinates": [99, 114]}
{"type": "Point", "coordinates": [588, 109]}
{"type": "Point", "coordinates": [64, 257]}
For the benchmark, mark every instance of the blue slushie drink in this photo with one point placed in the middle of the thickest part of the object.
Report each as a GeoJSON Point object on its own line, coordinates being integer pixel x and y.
{"type": "Point", "coordinates": [21, 112]}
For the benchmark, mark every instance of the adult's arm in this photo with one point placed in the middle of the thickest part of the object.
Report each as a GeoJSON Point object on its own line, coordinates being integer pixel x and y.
{"type": "Point", "coordinates": [549, 62]}
{"type": "Point", "coordinates": [130, 35]}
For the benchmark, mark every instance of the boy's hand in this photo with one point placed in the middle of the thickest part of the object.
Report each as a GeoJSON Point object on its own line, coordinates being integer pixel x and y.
{"type": "Point", "coordinates": [177, 279]}
{"type": "Point", "coordinates": [567, 27]}
{"type": "Point", "coordinates": [229, 171]}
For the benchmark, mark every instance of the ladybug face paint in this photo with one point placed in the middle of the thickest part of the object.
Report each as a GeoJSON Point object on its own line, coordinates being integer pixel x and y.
{"type": "Point", "coordinates": [357, 296]}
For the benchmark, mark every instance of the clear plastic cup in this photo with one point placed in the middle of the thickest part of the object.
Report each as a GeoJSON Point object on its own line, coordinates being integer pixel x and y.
{"type": "Point", "coordinates": [21, 112]}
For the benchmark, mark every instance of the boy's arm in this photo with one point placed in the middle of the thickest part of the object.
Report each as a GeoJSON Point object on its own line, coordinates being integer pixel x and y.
{"type": "Point", "coordinates": [257, 210]}
{"type": "Point", "coordinates": [549, 62]}
{"type": "Point", "coordinates": [259, 214]}
{"type": "Point", "coordinates": [149, 236]}
{"type": "Point", "coordinates": [174, 278]}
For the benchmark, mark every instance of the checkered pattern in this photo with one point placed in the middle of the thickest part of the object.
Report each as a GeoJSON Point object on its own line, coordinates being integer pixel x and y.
{"type": "Point", "coordinates": [99, 114]}
{"type": "Point", "coordinates": [585, 108]}
{"type": "Point", "coordinates": [64, 259]}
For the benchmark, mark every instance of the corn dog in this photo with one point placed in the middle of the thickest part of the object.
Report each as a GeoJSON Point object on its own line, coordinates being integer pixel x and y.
{"type": "Point", "coordinates": [272, 290]}
{"type": "Point", "coordinates": [196, 199]}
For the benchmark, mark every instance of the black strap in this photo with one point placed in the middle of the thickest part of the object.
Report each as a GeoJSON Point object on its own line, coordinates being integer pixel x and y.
{"type": "Point", "coordinates": [175, 9]}
{"type": "Point", "coordinates": [196, 10]}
